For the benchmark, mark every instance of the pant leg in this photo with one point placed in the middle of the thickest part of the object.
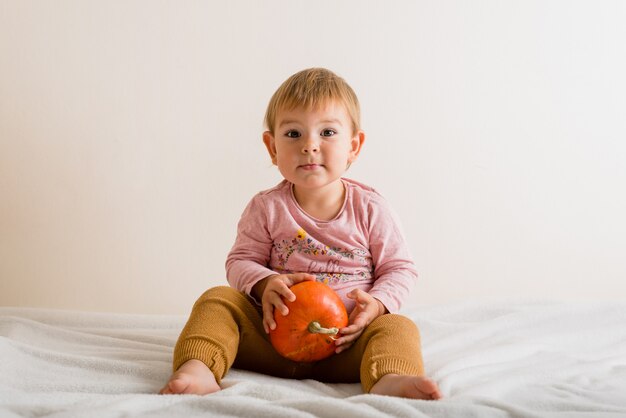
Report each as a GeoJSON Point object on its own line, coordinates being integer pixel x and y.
{"type": "Point", "coordinates": [225, 329]}
{"type": "Point", "coordinates": [390, 344]}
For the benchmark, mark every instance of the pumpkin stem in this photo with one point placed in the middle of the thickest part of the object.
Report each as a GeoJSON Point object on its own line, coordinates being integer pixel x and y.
{"type": "Point", "coordinates": [316, 328]}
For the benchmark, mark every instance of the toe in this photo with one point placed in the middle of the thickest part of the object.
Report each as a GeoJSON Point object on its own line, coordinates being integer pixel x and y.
{"type": "Point", "coordinates": [165, 390]}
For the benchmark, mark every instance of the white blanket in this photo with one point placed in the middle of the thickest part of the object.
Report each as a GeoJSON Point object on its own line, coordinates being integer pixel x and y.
{"type": "Point", "coordinates": [498, 360]}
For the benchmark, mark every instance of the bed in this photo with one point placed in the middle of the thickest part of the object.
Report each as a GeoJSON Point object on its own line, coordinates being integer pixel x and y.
{"type": "Point", "coordinates": [531, 359]}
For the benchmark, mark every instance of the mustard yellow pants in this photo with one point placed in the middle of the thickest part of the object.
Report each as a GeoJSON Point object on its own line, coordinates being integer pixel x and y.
{"type": "Point", "coordinates": [225, 330]}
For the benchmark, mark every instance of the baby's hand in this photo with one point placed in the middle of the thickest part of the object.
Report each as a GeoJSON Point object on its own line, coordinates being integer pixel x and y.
{"type": "Point", "coordinates": [366, 310]}
{"type": "Point", "coordinates": [276, 288]}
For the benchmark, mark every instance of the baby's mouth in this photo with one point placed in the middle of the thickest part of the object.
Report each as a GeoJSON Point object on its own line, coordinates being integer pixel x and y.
{"type": "Point", "coordinates": [310, 166]}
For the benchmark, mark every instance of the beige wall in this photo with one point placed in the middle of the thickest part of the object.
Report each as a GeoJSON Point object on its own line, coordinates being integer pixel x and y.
{"type": "Point", "coordinates": [130, 141]}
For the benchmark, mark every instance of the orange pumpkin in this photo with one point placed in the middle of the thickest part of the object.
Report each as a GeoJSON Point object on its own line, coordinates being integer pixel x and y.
{"type": "Point", "coordinates": [309, 331]}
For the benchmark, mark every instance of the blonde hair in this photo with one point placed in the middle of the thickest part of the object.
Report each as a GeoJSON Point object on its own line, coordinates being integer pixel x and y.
{"type": "Point", "coordinates": [310, 89]}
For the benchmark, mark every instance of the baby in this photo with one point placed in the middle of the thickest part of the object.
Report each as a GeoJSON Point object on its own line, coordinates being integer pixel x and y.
{"type": "Point", "coordinates": [314, 225]}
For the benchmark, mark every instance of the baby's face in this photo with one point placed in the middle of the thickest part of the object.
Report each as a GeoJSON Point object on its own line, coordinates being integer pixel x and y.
{"type": "Point", "coordinates": [313, 148]}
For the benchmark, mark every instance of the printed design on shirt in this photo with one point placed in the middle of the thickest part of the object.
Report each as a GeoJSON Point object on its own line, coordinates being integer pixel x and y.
{"type": "Point", "coordinates": [327, 271]}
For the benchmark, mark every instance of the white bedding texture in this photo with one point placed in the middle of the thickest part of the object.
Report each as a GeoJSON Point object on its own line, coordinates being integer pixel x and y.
{"type": "Point", "coordinates": [539, 359]}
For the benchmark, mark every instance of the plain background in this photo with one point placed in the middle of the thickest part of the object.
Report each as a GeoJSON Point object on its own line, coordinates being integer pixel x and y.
{"type": "Point", "coordinates": [130, 141]}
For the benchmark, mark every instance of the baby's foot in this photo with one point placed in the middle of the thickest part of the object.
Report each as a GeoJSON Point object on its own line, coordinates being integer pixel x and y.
{"type": "Point", "coordinates": [193, 377]}
{"type": "Point", "coordinates": [415, 387]}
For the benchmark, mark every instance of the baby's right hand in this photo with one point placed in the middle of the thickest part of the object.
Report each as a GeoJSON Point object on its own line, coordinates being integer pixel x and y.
{"type": "Point", "coordinates": [277, 287]}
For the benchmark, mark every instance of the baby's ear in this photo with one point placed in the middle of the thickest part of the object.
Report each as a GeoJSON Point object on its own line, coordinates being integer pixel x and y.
{"type": "Point", "coordinates": [268, 140]}
{"type": "Point", "coordinates": [356, 143]}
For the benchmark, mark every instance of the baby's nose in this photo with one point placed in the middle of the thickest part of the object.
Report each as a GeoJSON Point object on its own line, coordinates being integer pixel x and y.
{"type": "Point", "coordinates": [310, 146]}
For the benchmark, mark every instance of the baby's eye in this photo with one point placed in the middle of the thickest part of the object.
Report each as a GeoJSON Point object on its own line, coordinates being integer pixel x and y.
{"type": "Point", "coordinates": [292, 134]}
{"type": "Point", "coordinates": [328, 132]}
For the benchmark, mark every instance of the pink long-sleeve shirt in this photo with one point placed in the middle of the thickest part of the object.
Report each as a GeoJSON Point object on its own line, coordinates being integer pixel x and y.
{"type": "Point", "coordinates": [362, 247]}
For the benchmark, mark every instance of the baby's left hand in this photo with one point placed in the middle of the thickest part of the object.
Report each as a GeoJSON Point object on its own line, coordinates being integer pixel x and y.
{"type": "Point", "coordinates": [366, 310]}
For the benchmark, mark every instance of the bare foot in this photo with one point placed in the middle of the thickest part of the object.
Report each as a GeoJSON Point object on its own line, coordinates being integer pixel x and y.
{"type": "Point", "coordinates": [193, 377]}
{"type": "Point", "coordinates": [414, 387]}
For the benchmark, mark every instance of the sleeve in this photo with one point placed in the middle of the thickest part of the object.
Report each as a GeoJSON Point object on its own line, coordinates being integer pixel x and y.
{"type": "Point", "coordinates": [394, 269]}
{"type": "Point", "coordinates": [248, 260]}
